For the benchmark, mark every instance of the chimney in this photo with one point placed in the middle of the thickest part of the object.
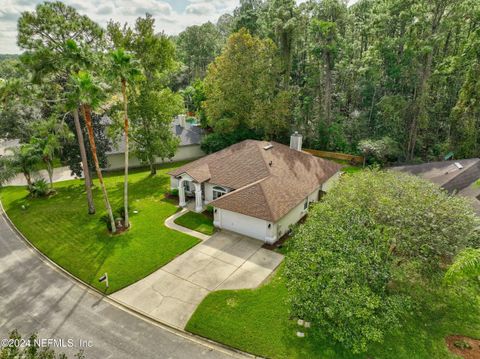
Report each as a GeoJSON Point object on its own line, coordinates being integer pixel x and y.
{"type": "Point", "coordinates": [296, 141]}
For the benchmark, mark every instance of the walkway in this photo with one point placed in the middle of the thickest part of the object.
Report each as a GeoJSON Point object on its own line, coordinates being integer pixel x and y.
{"type": "Point", "coordinates": [224, 261]}
{"type": "Point", "coordinates": [170, 223]}
{"type": "Point", "coordinates": [35, 296]}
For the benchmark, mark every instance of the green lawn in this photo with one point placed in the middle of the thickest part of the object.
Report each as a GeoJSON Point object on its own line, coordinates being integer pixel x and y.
{"type": "Point", "coordinates": [257, 321]}
{"type": "Point", "coordinates": [61, 228]}
{"type": "Point", "coordinates": [199, 222]}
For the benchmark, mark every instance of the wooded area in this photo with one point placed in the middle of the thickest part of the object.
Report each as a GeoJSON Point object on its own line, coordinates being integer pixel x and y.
{"type": "Point", "coordinates": [397, 72]}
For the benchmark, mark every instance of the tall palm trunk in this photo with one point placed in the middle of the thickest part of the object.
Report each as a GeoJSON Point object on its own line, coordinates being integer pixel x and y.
{"type": "Point", "coordinates": [83, 155]}
{"type": "Point", "coordinates": [125, 183]}
{"type": "Point", "coordinates": [91, 138]}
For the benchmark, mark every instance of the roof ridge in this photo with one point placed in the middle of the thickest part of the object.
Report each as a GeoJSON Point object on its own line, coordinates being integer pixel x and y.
{"type": "Point", "coordinates": [266, 198]}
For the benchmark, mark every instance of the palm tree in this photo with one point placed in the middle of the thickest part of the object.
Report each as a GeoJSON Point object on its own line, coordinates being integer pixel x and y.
{"type": "Point", "coordinates": [89, 95]}
{"type": "Point", "coordinates": [47, 140]}
{"type": "Point", "coordinates": [23, 160]}
{"type": "Point", "coordinates": [74, 58]}
{"type": "Point", "coordinates": [466, 266]}
{"type": "Point", "coordinates": [124, 68]}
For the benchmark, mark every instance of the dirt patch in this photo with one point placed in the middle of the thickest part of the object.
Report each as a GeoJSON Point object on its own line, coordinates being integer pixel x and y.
{"type": "Point", "coordinates": [467, 348]}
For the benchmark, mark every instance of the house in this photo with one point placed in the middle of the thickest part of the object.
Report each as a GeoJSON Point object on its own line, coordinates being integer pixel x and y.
{"type": "Point", "coordinates": [257, 188]}
{"type": "Point", "coordinates": [7, 146]}
{"type": "Point", "coordinates": [190, 135]}
{"type": "Point", "coordinates": [456, 176]}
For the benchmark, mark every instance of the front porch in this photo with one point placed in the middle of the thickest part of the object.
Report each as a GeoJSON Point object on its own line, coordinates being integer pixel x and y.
{"type": "Point", "coordinates": [202, 192]}
{"type": "Point", "coordinates": [190, 188]}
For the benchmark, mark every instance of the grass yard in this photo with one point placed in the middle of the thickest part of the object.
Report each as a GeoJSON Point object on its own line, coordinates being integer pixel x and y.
{"type": "Point", "coordinates": [199, 222]}
{"type": "Point", "coordinates": [257, 321]}
{"type": "Point", "coordinates": [61, 228]}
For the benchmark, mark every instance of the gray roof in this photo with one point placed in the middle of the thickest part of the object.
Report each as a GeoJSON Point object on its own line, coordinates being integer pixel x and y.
{"type": "Point", "coordinates": [6, 146]}
{"type": "Point", "coordinates": [189, 135]}
{"type": "Point", "coordinates": [447, 175]}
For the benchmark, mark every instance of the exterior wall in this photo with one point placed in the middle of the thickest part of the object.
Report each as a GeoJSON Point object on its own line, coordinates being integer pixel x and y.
{"type": "Point", "coordinates": [208, 188]}
{"type": "Point", "coordinates": [240, 223]}
{"type": "Point", "coordinates": [283, 224]}
{"type": "Point", "coordinates": [332, 181]}
{"type": "Point", "coordinates": [116, 160]}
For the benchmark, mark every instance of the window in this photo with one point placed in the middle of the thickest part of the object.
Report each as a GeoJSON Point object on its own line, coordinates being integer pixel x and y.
{"type": "Point", "coordinates": [305, 205]}
{"type": "Point", "coordinates": [218, 192]}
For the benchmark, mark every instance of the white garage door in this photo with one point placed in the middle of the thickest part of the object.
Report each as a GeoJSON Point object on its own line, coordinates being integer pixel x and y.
{"type": "Point", "coordinates": [239, 223]}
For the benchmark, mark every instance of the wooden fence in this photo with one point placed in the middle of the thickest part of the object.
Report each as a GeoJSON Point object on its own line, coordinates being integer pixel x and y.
{"type": "Point", "coordinates": [336, 155]}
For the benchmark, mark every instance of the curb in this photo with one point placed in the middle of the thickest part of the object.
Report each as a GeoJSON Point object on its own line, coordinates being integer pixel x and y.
{"type": "Point", "coordinates": [212, 345]}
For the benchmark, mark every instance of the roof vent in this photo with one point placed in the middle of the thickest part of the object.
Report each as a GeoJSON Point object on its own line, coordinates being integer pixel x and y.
{"type": "Point", "coordinates": [459, 165]}
{"type": "Point", "coordinates": [267, 147]}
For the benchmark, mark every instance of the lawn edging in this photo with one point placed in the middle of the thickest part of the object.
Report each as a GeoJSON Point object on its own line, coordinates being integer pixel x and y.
{"type": "Point", "coordinates": [119, 304]}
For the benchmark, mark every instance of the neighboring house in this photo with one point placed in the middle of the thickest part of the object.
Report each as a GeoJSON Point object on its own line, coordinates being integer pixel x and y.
{"type": "Point", "coordinates": [190, 135]}
{"type": "Point", "coordinates": [6, 146]}
{"type": "Point", "coordinates": [458, 176]}
{"type": "Point", "coordinates": [256, 188]}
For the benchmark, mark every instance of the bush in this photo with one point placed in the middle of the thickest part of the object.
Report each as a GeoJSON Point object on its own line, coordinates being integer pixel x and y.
{"type": "Point", "coordinates": [380, 151]}
{"type": "Point", "coordinates": [121, 211]}
{"type": "Point", "coordinates": [106, 219]}
{"type": "Point", "coordinates": [40, 188]}
{"type": "Point", "coordinates": [174, 192]}
{"type": "Point", "coordinates": [345, 260]}
{"type": "Point", "coordinates": [209, 209]}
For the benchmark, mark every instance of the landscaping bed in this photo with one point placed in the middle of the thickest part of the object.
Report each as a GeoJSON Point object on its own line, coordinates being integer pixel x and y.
{"type": "Point", "coordinates": [60, 227]}
{"type": "Point", "coordinates": [200, 222]}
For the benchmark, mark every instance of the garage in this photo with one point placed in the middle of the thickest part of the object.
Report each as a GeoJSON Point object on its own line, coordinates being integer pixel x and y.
{"type": "Point", "coordinates": [239, 223]}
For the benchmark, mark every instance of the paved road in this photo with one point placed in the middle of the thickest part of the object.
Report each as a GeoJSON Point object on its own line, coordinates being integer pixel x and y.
{"type": "Point", "coordinates": [59, 174]}
{"type": "Point", "coordinates": [35, 297]}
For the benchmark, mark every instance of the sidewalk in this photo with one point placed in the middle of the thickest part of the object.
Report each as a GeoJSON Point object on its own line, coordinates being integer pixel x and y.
{"type": "Point", "coordinates": [169, 222]}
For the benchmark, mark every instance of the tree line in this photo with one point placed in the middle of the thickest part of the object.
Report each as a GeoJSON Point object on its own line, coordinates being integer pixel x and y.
{"type": "Point", "coordinates": [397, 79]}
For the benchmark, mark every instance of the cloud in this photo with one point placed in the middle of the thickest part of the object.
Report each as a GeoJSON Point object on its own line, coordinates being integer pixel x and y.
{"type": "Point", "coordinates": [105, 10]}
{"type": "Point", "coordinates": [200, 8]}
{"type": "Point", "coordinates": [9, 15]}
{"type": "Point", "coordinates": [172, 16]}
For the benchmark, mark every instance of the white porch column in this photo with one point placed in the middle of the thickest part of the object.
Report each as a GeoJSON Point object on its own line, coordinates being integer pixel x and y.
{"type": "Point", "coordinates": [181, 193]}
{"type": "Point", "coordinates": [198, 197]}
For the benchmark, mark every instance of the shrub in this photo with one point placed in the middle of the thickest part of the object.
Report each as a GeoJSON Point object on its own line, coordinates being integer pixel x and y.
{"type": "Point", "coordinates": [344, 261]}
{"type": "Point", "coordinates": [121, 211]}
{"type": "Point", "coordinates": [209, 209]}
{"type": "Point", "coordinates": [106, 219]}
{"type": "Point", "coordinates": [462, 344]}
{"type": "Point", "coordinates": [174, 192]}
{"type": "Point", "coordinates": [40, 188]}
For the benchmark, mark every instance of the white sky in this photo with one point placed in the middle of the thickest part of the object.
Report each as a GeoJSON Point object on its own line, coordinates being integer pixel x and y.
{"type": "Point", "coordinates": [172, 16]}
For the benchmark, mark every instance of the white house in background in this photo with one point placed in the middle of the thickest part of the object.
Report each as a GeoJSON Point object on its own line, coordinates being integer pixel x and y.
{"type": "Point", "coordinates": [7, 146]}
{"type": "Point", "coordinates": [190, 135]}
{"type": "Point", "coordinates": [257, 188]}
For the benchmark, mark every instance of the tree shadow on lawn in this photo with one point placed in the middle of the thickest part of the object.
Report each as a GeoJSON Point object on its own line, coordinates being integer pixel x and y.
{"type": "Point", "coordinates": [140, 189]}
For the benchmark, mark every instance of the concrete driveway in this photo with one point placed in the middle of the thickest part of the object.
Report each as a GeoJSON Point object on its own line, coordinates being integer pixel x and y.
{"type": "Point", "coordinates": [225, 261]}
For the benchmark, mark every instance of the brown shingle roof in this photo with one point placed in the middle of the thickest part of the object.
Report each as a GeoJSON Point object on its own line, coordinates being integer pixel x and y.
{"type": "Point", "coordinates": [261, 190]}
